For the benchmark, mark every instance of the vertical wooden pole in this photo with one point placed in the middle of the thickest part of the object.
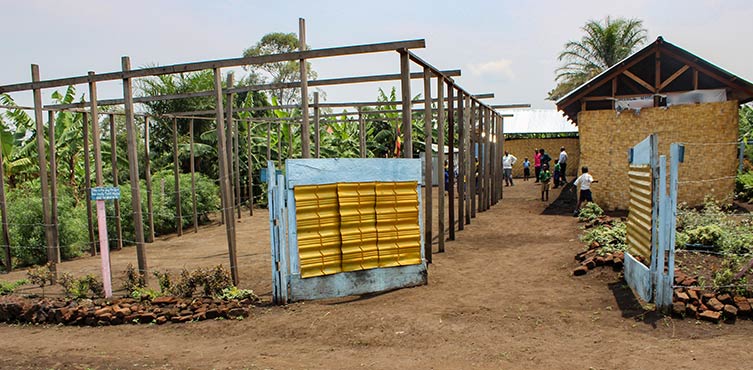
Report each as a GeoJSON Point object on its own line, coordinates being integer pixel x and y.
{"type": "Point", "coordinates": [361, 134]}
{"type": "Point", "coordinates": [133, 170]}
{"type": "Point", "coordinates": [250, 173]}
{"type": "Point", "coordinates": [461, 163]}
{"type": "Point", "coordinates": [229, 122]}
{"type": "Point", "coordinates": [193, 179]}
{"type": "Point", "coordinates": [501, 152]}
{"type": "Point", "coordinates": [469, 185]}
{"type": "Point", "coordinates": [407, 104]}
{"type": "Point", "coordinates": [53, 186]}
{"type": "Point", "coordinates": [481, 160]}
{"type": "Point", "coordinates": [474, 157]}
{"type": "Point", "coordinates": [317, 136]}
{"type": "Point", "coordinates": [451, 158]}
{"type": "Point", "coordinates": [88, 185]}
{"type": "Point", "coordinates": [428, 182]}
{"type": "Point", "coordinates": [4, 213]}
{"type": "Point", "coordinates": [489, 163]}
{"type": "Point", "coordinates": [305, 129]}
{"type": "Point", "coordinates": [501, 148]}
{"type": "Point", "coordinates": [115, 180]}
{"type": "Point", "coordinates": [42, 157]}
{"type": "Point", "coordinates": [237, 156]}
{"type": "Point", "coordinates": [94, 110]}
{"type": "Point", "coordinates": [225, 189]}
{"type": "Point", "coordinates": [148, 178]}
{"type": "Point", "coordinates": [176, 174]}
{"type": "Point", "coordinates": [440, 160]}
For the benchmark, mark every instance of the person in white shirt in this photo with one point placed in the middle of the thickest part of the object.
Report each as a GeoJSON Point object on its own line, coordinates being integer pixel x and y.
{"type": "Point", "coordinates": [507, 161]}
{"type": "Point", "coordinates": [584, 184]}
{"type": "Point", "coordinates": [563, 165]}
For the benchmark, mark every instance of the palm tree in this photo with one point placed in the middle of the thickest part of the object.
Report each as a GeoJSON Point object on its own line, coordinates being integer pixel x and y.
{"type": "Point", "coordinates": [604, 44]}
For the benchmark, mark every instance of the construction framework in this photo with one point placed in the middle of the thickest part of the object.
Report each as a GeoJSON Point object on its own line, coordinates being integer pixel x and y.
{"type": "Point", "coordinates": [473, 127]}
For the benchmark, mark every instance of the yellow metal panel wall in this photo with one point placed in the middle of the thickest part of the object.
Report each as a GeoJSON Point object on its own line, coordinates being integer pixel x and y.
{"type": "Point", "coordinates": [358, 225]}
{"type": "Point", "coordinates": [318, 220]}
{"type": "Point", "coordinates": [639, 216]}
{"type": "Point", "coordinates": [398, 233]}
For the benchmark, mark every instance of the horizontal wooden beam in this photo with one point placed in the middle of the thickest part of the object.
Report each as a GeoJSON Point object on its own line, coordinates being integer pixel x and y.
{"type": "Point", "coordinates": [220, 63]}
{"type": "Point", "coordinates": [510, 106]}
{"type": "Point", "coordinates": [262, 87]}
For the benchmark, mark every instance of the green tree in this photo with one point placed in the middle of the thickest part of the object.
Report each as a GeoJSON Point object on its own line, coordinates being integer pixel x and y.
{"type": "Point", "coordinates": [290, 71]}
{"type": "Point", "coordinates": [604, 44]}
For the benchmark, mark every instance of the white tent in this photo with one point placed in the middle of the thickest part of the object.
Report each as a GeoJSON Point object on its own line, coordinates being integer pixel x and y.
{"type": "Point", "coordinates": [536, 121]}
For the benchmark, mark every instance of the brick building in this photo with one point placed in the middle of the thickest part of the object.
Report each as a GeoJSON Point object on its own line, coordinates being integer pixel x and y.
{"type": "Point", "coordinates": [667, 90]}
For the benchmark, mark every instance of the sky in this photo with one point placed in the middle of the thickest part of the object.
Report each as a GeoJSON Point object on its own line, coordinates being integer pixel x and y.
{"type": "Point", "coordinates": [508, 48]}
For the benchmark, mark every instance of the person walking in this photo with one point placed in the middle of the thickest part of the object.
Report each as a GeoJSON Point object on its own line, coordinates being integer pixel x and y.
{"type": "Point", "coordinates": [545, 177]}
{"type": "Point", "coordinates": [507, 161]}
{"type": "Point", "coordinates": [545, 158]}
{"type": "Point", "coordinates": [584, 184]}
{"type": "Point", "coordinates": [536, 164]}
{"type": "Point", "coordinates": [563, 166]}
{"type": "Point", "coordinates": [526, 169]}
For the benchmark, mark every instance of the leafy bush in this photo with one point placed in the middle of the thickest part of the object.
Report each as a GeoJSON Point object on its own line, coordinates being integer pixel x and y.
{"type": "Point", "coordinates": [214, 281]}
{"type": "Point", "coordinates": [145, 294]}
{"type": "Point", "coordinates": [11, 286]}
{"type": "Point", "coordinates": [708, 235]}
{"type": "Point", "coordinates": [41, 276]}
{"type": "Point", "coordinates": [611, 238]}
{"type": "Point", "coordinates": [132, 279]}
{"type": "Point", "coordinates": [589, 212]}
{"type": "Point", "coordinates": [239, 294]}
{"type": "Point", "coordinates": [26, 225]}
{"type": "Point", "coordinates": [88, 286]}
{"type": "Point", "coordinates": [744, 186]}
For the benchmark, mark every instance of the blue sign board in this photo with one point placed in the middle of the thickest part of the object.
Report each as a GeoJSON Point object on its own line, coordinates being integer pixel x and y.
{"type": "Point", "coordinates": [105, 193]}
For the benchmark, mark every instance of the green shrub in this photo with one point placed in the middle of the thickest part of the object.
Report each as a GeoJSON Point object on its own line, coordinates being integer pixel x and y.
{"type": "Point", "coordinates": [708, 235]}
{"type": "Point", "coordinates": [239, 294]}
{"type": "Point", "coordinates": [11, 286]}
{"type": "Point", "coordinates": [26, 225]}
{"type": "Point", "coordinates": [88, 286]}
{"type": "Point", "coordinates": [611, 238]}
{"type": "Point", "coordinates": [744, 186]}
{"type": "Point", "coordinates": [590, 212]}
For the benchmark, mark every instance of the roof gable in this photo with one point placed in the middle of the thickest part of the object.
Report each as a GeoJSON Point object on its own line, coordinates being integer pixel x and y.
{"type": "Point", "coordinates": [656, 69]}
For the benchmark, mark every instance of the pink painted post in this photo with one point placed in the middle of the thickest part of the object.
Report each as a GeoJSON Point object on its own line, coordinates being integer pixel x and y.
{"type": "Point", "coordinates": [104, 247]}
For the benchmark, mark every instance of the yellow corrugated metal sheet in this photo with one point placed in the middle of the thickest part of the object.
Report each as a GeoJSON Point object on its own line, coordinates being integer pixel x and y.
{"type": "Point", "coordinates": [398, 232]}
{"type": "Point", "coordinates": [358, 225]}
{"type": "Point", "coordinates": [639, 216]}
{"type": "Point", "coordinates": [318, 220]}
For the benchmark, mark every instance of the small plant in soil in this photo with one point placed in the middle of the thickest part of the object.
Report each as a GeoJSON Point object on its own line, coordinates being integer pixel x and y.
{"type": "Point", "coordinates": [165, 282]}
{"type": "Point", "coordinates": [610, 238]}
{"type": "Point", "coordinates": [590, 212]}
{"type": "Point", "coordinates": [41, 276]}
{"type": "Point", "coordinates": [88, 286]}
{"type": "Point", "coordinates": [132, 279]}
{"type": "Point", "coordinates": [238, 294]}
{"type": "Point", "coordinates": [11, 286]}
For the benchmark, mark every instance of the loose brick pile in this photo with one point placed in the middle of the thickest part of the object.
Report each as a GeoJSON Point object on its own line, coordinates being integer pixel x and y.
{"type": "Point", "coordinates": [590, 259]}
{"type": "Point", "coordinates": [160, 310]}
{"type": "Point", "coordinates": [693, 302]}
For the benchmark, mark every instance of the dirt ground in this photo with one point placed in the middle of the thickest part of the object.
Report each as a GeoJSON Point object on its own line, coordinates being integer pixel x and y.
{"type": "Point", "coordinates": [501, 296]}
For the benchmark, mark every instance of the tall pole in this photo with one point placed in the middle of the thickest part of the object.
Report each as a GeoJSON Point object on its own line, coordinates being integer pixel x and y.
{"type": "Point", "coordinates": [53, 186]}
{"type": "Point", "coordinates": [229, 142]}
{"type": "Point", "coordinates": [88, 185]}
{"type": "Point", "coordinates": [405, 91]}
{"type": "Point", "coordinates": [42, 157]}
{"type": "Point", "coordinates": [361, 134]}
{"type": "Point", "coordinates": [133, 170]}
{"type": "Point", "coordinates": [225, 188]}
{"type": "Point", "coordinates": [305, 129]}
{"type": "Point", "coordinates": [4, 213]}
{"type": "Point", "coordinates": [469, 162]}
{"type": "Point", "coordinates": [451, 159]}
{"type": "Point", "coordinates": [250, 173]}
{"type": "Point", "coordinates": [473, 134]}
{"type": "Point", "coordinates": [317, 138]}
{"type": "Point", "coordinates": [440, 159]}
{"type": "Point", "coordinates": [115, 180]}
{"type": "Point", "coordinates": [176, 174]}
{"type": "Point", "coordinates": [193, 180]}
{"type": "Point", "coordinates": [461, 162]}
{"type": "Point", "coordinates": [148, 177]}
{"type": "Point", "coordinates": [428, 182]}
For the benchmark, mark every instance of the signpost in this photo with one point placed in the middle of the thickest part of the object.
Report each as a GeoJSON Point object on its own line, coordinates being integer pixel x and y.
{"type": "Point", "coordinates": [101, 194]}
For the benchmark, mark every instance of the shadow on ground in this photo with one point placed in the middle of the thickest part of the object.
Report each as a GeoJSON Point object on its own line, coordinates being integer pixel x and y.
{"type": "Point", "coordinates": [631, 307]}
{"type": "Point", "coordinates": [565, 202]}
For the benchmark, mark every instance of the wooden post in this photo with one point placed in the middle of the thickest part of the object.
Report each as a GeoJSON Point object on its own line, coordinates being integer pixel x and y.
{"type": "Point", "coordinates": [133, 170]}
{"type": "Point", "coordinates": [115, 180]}
{"type": "Point", "coordinates": [229, 122]}
{"type": "Point", "coordinates": [489, 163]}
{"type": "Point", "coordinates": [361, 134]}
{"type": "Point", "coordinates": [500, 151]}
{"type": "Point", "coordinates": [193, 179]}
{"type": "Point", "coordinates": [428, 182]}
{"type": "Point", "coordinates": [88, 185]}
{"type": "Point", "coordinates": [501, 141]}
{"type": "Point", "coordinates": [317, 136]}
{"type": "Point", "coordinates": [481, 160]}
{"type": "Point", "coordinates": [148, 178]}
{"type": "Point", "coordinates": [468, 157]}
{"type": "Point", "coordinates": [225, 189]}
{"type": "Point", "coordinates": [237, 156]}
{"type": "Point", "coordinates": [305, 129]}
{"type": "Point", "coordinates": [461, 162]}
{"type": "Point", "coordinates": [451, 158]}
{"type": "Point", "coordinates": [407, 109]}
{"type": "Point", "coordinates": [474, 157]}
{"type": "Point", "coordinates": [250, 173]}
{"type": "Point", "coordinates": [176, 174]}
{"type": "Point", "coordinates": [42, 157]}
{"type": "Point", "coordinates": [440, 160]}
{"type": "Point", "coordinates": [53, 186]}
{"type": "Point", "coordinates": [4, 213]}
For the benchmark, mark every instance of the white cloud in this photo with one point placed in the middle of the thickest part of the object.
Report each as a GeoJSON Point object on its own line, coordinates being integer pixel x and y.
{"type": "Point", "coordinates": [497, 69]}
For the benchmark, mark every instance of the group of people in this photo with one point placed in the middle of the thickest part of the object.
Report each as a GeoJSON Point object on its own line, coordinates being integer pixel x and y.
{"type": "Point", "coordinates": [544, 174]}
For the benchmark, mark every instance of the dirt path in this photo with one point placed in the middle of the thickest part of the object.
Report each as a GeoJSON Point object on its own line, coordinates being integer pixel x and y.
{"type": "Point", "coordinates": [502, 296]}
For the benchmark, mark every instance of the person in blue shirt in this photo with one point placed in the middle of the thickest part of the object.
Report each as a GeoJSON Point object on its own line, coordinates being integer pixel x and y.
{"type": "Point", "coordinates": [526, 169]}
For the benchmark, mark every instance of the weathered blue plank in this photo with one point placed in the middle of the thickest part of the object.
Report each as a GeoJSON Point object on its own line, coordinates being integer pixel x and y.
{"type": "Point", "coordinates": [331, 170]}
{"type": "Point", "coordinates": [638, 277]}
{"type": "Point", "coordinates": [357, 282]}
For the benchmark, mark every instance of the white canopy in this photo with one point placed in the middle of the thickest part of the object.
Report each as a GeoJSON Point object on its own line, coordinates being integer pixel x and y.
{"type": "Point", "coordinates": [536, 121]}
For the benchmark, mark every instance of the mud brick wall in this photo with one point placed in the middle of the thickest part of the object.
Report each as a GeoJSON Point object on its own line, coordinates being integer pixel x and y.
{"type": "Point", "coordinates": [522, 148]}
{"type": "Point", "coordinates": [708, 130]}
